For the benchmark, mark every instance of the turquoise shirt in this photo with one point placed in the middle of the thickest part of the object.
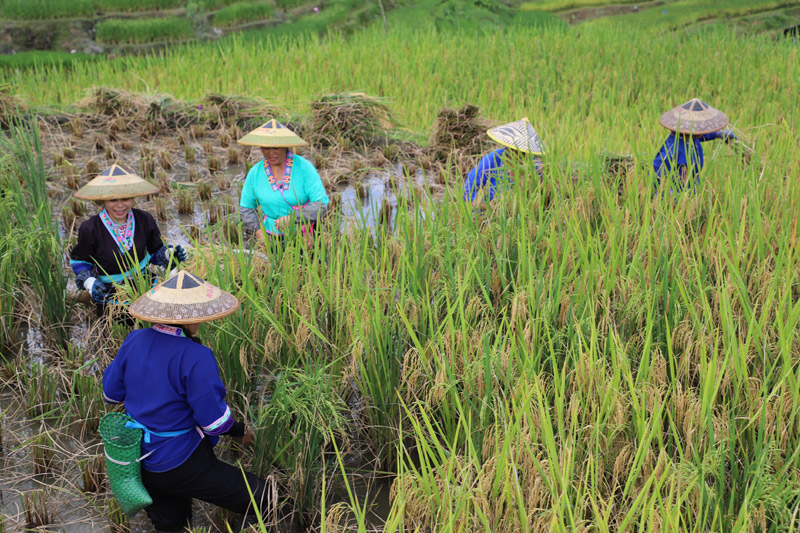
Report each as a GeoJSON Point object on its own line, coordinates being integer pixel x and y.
{"type": "Point", "coordinates": [305, 186]}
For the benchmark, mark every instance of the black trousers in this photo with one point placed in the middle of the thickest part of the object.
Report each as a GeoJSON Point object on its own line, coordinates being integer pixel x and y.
{"type": "Point", "coordinates": [206, 478]}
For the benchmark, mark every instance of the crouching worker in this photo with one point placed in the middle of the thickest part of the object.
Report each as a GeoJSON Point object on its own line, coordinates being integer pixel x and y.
{"type": "Point", "coordinates": [119, 242]}
{"type": "Point", "coordinates": [170, 385]}
{"type": "Point", "coordinates": [681, 156]}
{"type": "Point", "coordinates": [520, 142]}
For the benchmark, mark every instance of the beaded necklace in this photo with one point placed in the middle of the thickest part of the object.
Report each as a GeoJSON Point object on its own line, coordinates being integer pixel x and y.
{"type": "Point", "coordinates": [282, 185]}
{"type": "Point", "coordinates": [123, 233]}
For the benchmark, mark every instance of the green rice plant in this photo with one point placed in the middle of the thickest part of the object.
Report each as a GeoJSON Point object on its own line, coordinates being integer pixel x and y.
{"type": "Point", "coordinates": [212, 212]}
{"type": "Point", "coordinates": [117, 520]}
{"type": "Point", "coordinates": [9, 267]}
{"type": "Point", "coordinates": [160, 205]}
{"type": "Point", "coordinates": [234, 156]}
{"type": "Point", "coordinates": [42, 391]}
{"type": "Point", "coordinates": [35, 233]}
{"type": "Point", "coordinates": [564, 5]}
{"type": "Point", "coordinates": [243, 12]}
{"type": "Point", "coordinates": [302, 416]}
{"type": "Point", "coordinates": [204, 190]}
{"type": "Point", "coordinates": [41, 58]}
{"type": "Point", "coordinates": [287, 4]}
{"type": "Point", "coordinates": [222, 181]}
{"type": "Point", "coordinates": [138, 5]}
{"type": "Point", "coordinates": [68, 216]}
{"type": "Point", "coordinates": [214, 163]}
{"type": "Point", "coordinates": [185, 202]}
{"type": "Point", "coordinates": [124, 31]}
{"type": "Point", "coordinates": [211, 5]}
{"type": "Point", "coordinates": [35, 509]}
{"type": "Point", "coordinates": [87, 401]}
{"type": "Point", "coordinates": [94, 472]}
{"type": "Point", "coordinates": [42, 453]}
{"type": "Point", "coordinates": [197, 131]}
{"type": "Point", "coordinates": [46, 9]}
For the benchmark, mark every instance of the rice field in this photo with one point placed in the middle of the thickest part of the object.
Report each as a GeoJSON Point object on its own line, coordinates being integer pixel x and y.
{"type": "Point", "coordinates": [144, 30]}
{"type": "Point", "coordinates": [577, 355]}
{"type": "Point", "coordinates": [243, 12]}
{"type": "Point", "coordinates": [49, 9]}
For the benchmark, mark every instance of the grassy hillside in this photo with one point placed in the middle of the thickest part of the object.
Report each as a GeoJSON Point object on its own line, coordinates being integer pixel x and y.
{"type": "Point", "coordinates": [751, 16]}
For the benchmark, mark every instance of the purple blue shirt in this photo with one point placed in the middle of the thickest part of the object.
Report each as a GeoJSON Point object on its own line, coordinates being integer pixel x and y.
{"type": "Point", "coordinates": [168, 382]}
{"type": "Point", "coordinates": [682, 150]}
{"type": "Point", "coordinates": [490, 170]}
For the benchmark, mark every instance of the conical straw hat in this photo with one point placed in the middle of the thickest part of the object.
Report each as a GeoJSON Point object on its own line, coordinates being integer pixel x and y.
{"type": "Point", "coordinates": [273, 134]}
{"type": "Point", "coordinates": [115, 183]}
{"type": "Point", "coordinates": [518, 135]}
{"type": "Point", "coordinates": [694, 117]}
{"type": "Point", "coordinates": [184, 299]}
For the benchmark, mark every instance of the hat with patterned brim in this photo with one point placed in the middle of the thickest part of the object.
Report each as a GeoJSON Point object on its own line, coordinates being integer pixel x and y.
{"type": "Point", "coordinates": [694, 117]}
{"type": "Point", "coordinates": [518, 135]}
{"type": "Point", "coordinates": [115, 183]}
{"type": "Point", "coordinates": [273, 134]}
{"type": "Point", "coordinates": [184, 299]}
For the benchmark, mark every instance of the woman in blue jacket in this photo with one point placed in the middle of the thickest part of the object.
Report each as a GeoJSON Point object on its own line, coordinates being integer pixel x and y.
{"type": "Point", "coordinates": [681, 155]}
{"type": "Point", "coordinates": [520, 142]}
{"type": "Point", "coordinates": [170, 385]}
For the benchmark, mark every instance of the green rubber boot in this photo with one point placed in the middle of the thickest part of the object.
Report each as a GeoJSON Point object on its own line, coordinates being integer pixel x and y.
{"type": "Point", "coordinates": [123, 450]}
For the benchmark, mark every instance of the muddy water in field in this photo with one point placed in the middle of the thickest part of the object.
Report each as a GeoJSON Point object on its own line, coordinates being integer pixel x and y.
{"type": "Point", "coordinates": [56, 493]}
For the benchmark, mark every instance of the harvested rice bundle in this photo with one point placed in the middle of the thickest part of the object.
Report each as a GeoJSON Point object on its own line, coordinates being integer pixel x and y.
{"type": "Point", "coordinates": [352, 117]}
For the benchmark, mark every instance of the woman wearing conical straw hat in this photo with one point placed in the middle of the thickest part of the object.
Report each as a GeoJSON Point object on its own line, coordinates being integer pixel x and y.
{"type": "Point", "coordinates": [690, 124]}
{"type": "Point", "coordinates": [170, 385]}
{"type": "Point", "coordinates": [284, 185]}
{"type": "Point", "coordinates": [120, 241]}
{"type": "Point", "coordinates": [520, 143]}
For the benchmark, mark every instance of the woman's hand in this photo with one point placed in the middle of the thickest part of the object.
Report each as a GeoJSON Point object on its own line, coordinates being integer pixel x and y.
{"type": "Point", "coordinates": [259, 234]}
{"type": "Point", "coordinates": [282, 222]}
{"type": "Point", "coordinates": [248, 439]}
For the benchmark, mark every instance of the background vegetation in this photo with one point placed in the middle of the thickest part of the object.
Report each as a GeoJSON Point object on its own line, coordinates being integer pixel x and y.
{"type": "Point", "coordinates": [580, 354]}
{"type": "Point", "coordinates": [143, 31]}
{"type": "Point", "coordinates": [242, 12]}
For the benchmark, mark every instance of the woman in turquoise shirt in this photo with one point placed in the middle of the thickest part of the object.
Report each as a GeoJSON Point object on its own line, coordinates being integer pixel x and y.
{"type": "Point", "coordinates": [284, 185]}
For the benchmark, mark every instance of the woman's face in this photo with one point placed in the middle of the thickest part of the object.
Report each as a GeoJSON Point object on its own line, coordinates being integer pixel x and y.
{"type": "Point", "coordinates": [118, 209]}
{"type": "Point", "coordinates": [274, 156]}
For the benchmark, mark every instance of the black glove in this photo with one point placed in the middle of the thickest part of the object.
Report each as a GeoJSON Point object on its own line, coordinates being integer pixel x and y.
{"type": "Point", "coordinates": [169, 257]}
{"type": "Point", "coordinates": [99, 290]}
{"type": "Point", "coordinates": [180, 253]}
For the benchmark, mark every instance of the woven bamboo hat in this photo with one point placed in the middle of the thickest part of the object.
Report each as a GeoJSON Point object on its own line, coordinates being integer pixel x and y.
{"type": "Point", "coordinates": [273, 134]}
{"type": "Point", "coordinates": [115, 183]}
{"type": "Point", "coordinates": [184, 299]}
{"type": "Point", "coordinates": [518, 135]}
{"type": "Point", "coordinates": [694, 117]}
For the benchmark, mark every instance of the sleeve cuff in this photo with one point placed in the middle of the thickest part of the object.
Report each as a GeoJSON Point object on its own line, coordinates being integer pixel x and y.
{"type": "Point", "coordinates": [110, 400]}
{"type": "Point", "coordinates": [221, 425]}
